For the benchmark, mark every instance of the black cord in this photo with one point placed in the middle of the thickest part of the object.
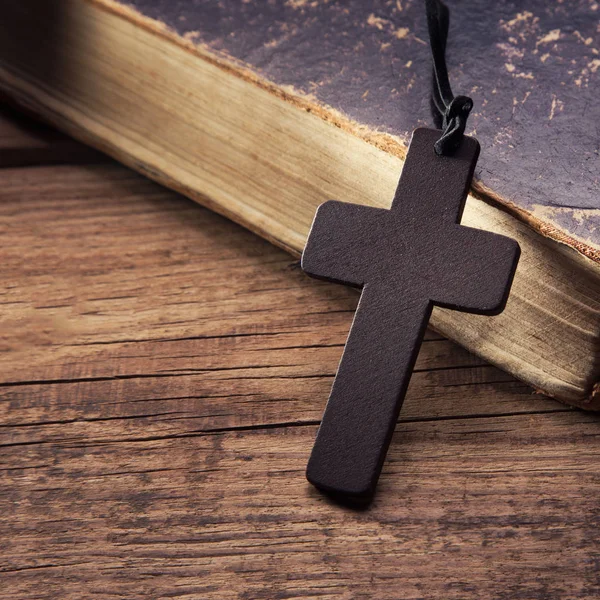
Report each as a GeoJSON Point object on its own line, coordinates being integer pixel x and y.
{"type": "Point", "coordinates": [450, 113]}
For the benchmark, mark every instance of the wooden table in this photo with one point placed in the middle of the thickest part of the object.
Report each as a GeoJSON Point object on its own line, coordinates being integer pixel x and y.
{"type": "Point", "coordinates": [163, 373]}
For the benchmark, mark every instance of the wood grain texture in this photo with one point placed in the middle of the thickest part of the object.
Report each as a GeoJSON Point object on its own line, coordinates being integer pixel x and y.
{"type": "Point", "coordinates": [163, 372]}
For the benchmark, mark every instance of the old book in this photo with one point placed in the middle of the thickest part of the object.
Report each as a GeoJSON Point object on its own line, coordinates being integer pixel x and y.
{"type": "Point", "coordinates": [262, 111]}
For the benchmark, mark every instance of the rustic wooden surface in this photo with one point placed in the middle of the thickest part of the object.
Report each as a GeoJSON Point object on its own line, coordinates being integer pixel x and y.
{"type": "Point", "coordinates": [162, 374]}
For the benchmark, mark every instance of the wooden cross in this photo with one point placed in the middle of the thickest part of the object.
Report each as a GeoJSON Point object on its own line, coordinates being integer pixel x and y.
{"type": "Point", "coordinates": [406, 260]}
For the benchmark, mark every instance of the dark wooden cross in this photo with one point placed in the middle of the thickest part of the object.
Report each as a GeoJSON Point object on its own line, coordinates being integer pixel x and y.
{"type": "Point", "coordinates": [406, 260]}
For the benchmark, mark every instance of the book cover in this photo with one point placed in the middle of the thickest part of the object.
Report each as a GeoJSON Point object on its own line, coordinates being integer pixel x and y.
{"type": "Point", "coordinates": [532, 69]}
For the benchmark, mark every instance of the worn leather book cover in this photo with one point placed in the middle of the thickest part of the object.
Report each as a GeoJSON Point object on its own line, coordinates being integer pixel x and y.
{"type": "Point", "coordinates": [532, 69]}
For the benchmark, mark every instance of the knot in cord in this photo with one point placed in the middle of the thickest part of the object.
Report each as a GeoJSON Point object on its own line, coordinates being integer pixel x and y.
{"type": "Point", "coordinates": [450, 113]}
{"type": "Point", "coordinates": [453, 124]}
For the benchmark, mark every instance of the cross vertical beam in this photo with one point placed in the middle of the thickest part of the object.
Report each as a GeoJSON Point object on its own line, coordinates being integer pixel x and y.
{"type": "Point", "coordinates": [367, 393]}
{"type": "Point", "coordinates": [406, 259]}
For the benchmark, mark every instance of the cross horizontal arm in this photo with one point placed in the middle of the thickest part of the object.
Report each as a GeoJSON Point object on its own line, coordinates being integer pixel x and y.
{"type": "Point", "coordinates": [340, 232]}
{"type": "Point", "coordinates": [478, 272]}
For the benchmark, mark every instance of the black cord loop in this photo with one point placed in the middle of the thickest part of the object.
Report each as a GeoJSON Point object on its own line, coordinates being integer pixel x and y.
{"type": "Point", "coordinates": [450, 113]}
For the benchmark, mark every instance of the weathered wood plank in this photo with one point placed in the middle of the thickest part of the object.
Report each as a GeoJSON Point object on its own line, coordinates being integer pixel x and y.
{"type": "Point", "coordinates": [162, 372]}
{"type": "Point", "coordinates": [501, 508]}
{"type": "Point", "coordinates": [132, 290]}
